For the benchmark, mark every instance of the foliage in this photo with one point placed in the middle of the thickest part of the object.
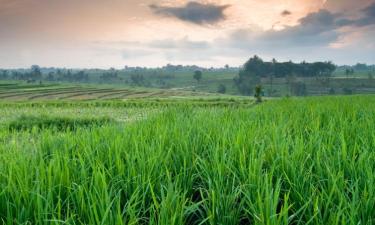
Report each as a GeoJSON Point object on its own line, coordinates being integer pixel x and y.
{"type": "Point", "coordinates": [258, 67]}
{"type": "Point", "coordinates": [255, 68]}
{"type": "Point", "coordinates": [137, 79]}
{"type": "Point", "coordinates": [198, 75]}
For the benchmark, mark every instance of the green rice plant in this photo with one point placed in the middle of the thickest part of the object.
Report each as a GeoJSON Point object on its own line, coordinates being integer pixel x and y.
{"type": "Point", "coordinates": [25, 122]}
{"type": "Point", "coordinates": [287, 161]}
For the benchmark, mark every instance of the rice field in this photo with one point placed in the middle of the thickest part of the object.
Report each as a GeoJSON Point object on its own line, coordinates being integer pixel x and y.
{"type": "Point", "coordinates": [50, 92]}
{"type": "Point", "coordinates": [285, 161]}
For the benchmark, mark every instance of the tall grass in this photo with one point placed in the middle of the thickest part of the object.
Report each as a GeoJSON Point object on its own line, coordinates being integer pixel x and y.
{"type": "Point", "coordinates": [302, 161]}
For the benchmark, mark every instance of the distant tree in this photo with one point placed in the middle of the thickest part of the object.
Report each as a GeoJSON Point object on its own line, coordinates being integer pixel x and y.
{"type": "Point", "coordinates": [258, 94]}
{"type": "Point", "coordinates": [222, 89]}
{"type": "Point", "coordinates": [110, 76]}
{"type": "Point", "coordinates": [226, 66]}
{"type": "Point", "coordinates": [3, 74]}
{"type": "Point", "coordinates": [36, 72]}
{"type": "Point", "coordinates": [246, 82]}
{"type": "Point", "coordinates": [347, 72]}
{"type": "Point", "coordinates": [255, 69]}
{"type": "Point", "coordinates": [51, 76]}
{"type": "Point", "coordinates": [137, 79]}
{"type": "Point", "coordinates": [197, 75]}
{"type": "Point", "coordinates": [81, 76]}
{"type": "Point", "coordinates": [361, 67]}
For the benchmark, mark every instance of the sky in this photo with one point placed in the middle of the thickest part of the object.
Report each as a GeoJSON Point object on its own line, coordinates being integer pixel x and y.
{"type": "Point", "coordinates": [152, 33]}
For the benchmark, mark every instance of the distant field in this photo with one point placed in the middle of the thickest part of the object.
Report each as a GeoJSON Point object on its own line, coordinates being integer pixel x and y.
{"type": "Point", "coordinates": [181, 84]}
{"type": "Point", "coordinates": [23, 92]}
{"type": "Point", "coordinates": [188, 160]}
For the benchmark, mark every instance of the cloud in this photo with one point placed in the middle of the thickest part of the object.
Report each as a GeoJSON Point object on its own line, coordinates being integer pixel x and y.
{"type": "Point", "coordinates": [286, 13]}
{"type": "Point", "coordinates": [183, 43]}
{"type": "Point", "coordinates": [316, 29]}
{"type": "Point", "coordinates": [369, 16]}
{"type": "Point", "coordinates": [366, 17]}
{"type": "Point", "coordinates": [193, 12]}
{"type": "Point", "coordinates": [137, 53]}
{"type": "Point", "coordinates": [347, 6]}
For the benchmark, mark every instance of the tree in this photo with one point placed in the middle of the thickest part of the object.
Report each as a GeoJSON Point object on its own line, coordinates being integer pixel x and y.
{"type": "Point", "coordinates": [347, 73]}
{"type": "Point", "coordinates": [255, 69]}
{"type": "Point", "coordinates": [81, 76]}
{"type": "Point", "coordinates": [51, 76]}
{"type": "Point", "coordinates": [35, 72]}
{"type": "Point", "coordinates": [246, 82]}
{"type": "Point", "coordinates": [258, 94]}
{"type": "Point", "coordinates": [137, 79]}
{"type": "Point", "coordinates": [197, 75]}
{"type": "Point", "coordinates": [4, 74]}
{"type": "Point", "coordinates": [222, 89]}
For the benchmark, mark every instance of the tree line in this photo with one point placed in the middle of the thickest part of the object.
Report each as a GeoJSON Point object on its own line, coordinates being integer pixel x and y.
{"type": "Point", "coordinates": [255, 68]}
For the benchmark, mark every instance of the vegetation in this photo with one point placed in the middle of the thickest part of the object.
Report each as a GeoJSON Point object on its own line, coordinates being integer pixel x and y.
{"type": "Point", "coordinates": [255, 69]}
{"type": "Point", "coordinates": [289, 161]}
{"type": "Point", "coordinates": [198, 75]}
{"type": "Point", "coordinates": [258, 94]}
{"type": "Point", "coordinates": [26, 122]}
{"type": "Point", "coordinates": [277, 78]}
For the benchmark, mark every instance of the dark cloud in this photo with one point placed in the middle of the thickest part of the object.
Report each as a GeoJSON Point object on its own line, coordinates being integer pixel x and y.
{"type": "Point", "coordinates": [286, 13]}
{"type": "Point", "coordinates": [315, 30]}
{"type": "Point", "coordinates": [369, 16]}
{"type": "Point", "coordinates": [313, 38]}
{"type": "Point", "coordinates": [193, 12]}
{"type": "Point", "coordinates": [366, 18]}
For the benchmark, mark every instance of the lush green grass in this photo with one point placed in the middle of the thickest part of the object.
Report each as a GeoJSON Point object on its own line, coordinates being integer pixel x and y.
{"type": "Point", "coordinates": [289, 161]}
{"type": "Point", "coordinates": [26, 122]}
